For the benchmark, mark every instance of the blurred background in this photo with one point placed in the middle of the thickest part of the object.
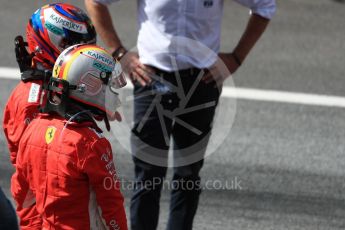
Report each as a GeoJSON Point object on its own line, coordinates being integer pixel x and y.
{"type": "Point", "coordinates": [289, 158]}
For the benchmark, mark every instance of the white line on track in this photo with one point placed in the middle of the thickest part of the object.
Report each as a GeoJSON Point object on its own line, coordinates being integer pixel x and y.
{"type": "Point", "coordinates": [284, 97]}
{"type": "Point", "coordinates": [9, 73]}
{"type": "Point", "coordinates": [243, 93]}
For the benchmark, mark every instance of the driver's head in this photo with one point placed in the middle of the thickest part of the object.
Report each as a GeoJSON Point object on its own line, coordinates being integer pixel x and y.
{"type": "Point", "coordinates": [54, 27]}
{"type": "Point", "coordinates": [93, 77]}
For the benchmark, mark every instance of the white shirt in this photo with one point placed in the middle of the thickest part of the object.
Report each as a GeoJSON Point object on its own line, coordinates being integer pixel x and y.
{"type": "Point", "coordinates": [180, 34]}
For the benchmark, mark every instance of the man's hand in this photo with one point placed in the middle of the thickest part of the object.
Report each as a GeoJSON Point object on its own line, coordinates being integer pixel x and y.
{"type": "Point", "coordinates": [213, 75]}
{"type": "Point", "coordinates": [102, 21]}
{"type": "Point", "coordinates": [255, 28]}
{"type": "Point", "coordinates": [115, 117]}
{"type": "Point", "coordinates": [136, 71]}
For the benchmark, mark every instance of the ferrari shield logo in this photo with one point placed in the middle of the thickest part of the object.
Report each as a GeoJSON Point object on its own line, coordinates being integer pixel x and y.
{"type": "Point", "coordinates": [50, 134]}
{"type": "Point", "coordinates": [56, 70]}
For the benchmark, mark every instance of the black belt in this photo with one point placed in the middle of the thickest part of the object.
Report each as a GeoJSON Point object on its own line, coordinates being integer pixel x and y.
{"type": "Point", "coordinates": [182, 73]}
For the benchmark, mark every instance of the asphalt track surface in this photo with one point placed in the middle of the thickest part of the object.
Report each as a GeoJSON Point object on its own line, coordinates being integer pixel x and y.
{"type": "Point", "coordinates": [288, 158]}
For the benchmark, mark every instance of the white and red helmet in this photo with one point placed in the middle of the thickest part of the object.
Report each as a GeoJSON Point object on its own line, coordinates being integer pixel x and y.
{"type": "Point", "coordinates": [93, 76]}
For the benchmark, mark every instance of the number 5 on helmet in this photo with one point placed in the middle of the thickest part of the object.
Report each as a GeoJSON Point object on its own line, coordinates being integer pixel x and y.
{"type": "Point", "coordinates": [88, 76]}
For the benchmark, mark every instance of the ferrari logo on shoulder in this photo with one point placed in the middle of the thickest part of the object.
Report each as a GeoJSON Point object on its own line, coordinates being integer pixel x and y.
{"type": "Point", "coordinates": [50, 134]}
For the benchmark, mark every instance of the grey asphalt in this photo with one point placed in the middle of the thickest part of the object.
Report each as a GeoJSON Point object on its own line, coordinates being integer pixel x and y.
{"type": "Point", "coordinates": [288, 158]}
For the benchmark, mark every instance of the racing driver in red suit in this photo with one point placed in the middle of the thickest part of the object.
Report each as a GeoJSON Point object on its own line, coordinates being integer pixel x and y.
{"type": "Point", "coordinates": [47, 35]}
{"type": "Point", "coordinates": [63, 158]}
{"type": "Point", "coordinates": [45, 45]}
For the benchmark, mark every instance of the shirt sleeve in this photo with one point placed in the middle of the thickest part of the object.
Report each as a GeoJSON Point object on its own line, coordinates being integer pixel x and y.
{"type": "Point", "coordinates": [106, 2]}
{"type": "Point", "coordinates": [100, 169]}
{"type": "Point", "coordinates": [264, 8]}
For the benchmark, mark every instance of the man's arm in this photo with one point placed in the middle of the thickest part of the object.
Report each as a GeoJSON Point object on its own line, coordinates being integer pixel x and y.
{"type": "Point", "coordinates": [256, 26]}
{"type": "Point", "coordinates": [102, 21]}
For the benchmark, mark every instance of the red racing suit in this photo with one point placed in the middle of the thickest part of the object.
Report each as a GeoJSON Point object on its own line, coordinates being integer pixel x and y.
{"type": "Point", "coordinates": [21, 108]}
{"type": "Point", "coordinates": [69, 167]}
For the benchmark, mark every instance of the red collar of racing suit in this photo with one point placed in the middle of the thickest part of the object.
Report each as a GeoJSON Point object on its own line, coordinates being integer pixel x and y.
{"type": "Point", "coordinates": [91, 123]}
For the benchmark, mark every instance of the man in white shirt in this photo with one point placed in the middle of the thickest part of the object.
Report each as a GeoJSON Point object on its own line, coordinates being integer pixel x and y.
{"type": "Point", "coordinates": [175, 73]}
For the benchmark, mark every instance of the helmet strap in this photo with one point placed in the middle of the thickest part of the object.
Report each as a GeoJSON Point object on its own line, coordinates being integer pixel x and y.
{"type": "Point", "coordinates": [25, 60]}
{"type": "Point", "coordinates": [58, 101]}
{"type": "Point", "coordinates": [23, 57]}
{"type": "Point", "coordinates": [35, 74]}
{"type": "Point", "coordinates": [54, 88]}
{"type": "Point", "coordinates": [106, 122]}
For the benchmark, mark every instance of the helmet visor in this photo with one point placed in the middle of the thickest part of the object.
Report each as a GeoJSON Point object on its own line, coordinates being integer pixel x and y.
{"type": "Point", "coordinates": [117, 79]}
{"type": "Point", "coordinates": [112, 102]}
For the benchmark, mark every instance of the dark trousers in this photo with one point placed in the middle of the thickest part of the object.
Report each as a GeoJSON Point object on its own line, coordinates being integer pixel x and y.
{"type": "Point", "coordinates": [8, 217]}
{"type": "Point", "coordinates": [181, 108]}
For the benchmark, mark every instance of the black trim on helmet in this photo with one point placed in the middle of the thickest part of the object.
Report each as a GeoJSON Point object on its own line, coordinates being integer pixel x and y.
{"type": "Point", "coordinates": [23, 57]}
{"type": "Point", "coordinates": [67, 107]}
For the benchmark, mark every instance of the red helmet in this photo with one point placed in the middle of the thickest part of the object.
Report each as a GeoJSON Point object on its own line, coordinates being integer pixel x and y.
{"type": "Point", "coordinates": [54, 27]}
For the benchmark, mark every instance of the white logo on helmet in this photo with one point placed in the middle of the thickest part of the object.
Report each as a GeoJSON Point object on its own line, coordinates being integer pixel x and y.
{"type": "Point", "coordinates": [102, 58]}
{"type": "Point", "coordinates": [53, 18]}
